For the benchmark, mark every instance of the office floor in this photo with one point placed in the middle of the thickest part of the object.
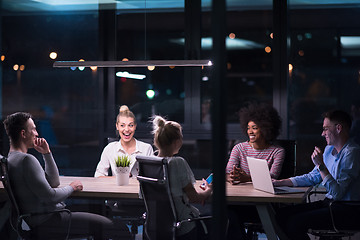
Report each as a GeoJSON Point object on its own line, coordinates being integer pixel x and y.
{"type": "Point", "coordinates": [355, 237]}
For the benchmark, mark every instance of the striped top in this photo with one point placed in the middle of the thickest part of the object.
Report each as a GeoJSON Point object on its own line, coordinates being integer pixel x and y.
{"type": "Point", "coordinates": [274, 155]}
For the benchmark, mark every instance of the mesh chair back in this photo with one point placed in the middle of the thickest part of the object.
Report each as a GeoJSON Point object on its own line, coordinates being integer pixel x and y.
{"type": "Point", "coordinates": [155, 189]}
{"type": "Point", "coordinates": [15, 213]}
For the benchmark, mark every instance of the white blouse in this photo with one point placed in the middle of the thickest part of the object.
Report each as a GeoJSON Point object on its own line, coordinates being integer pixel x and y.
{"type": "Point", "coordinates": [115, 149]}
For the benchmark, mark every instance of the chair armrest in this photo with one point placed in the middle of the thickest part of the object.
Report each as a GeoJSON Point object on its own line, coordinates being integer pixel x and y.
{"type": "Point", "coordinates": [150, 180]}
{"type": "Point", "coordinates": [315, 191]}
{"type": "Point", "coordinates": [178, 224]}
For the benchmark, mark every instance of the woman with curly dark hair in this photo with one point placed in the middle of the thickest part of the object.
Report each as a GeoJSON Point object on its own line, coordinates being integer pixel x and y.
{"type": "Point", "coordinates": [262, 123]}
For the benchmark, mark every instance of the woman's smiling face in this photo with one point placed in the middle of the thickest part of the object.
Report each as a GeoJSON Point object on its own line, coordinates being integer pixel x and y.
{"type": "Point", "coordinates": [254, 132]}
{"type": "Point", "coordinates": [126, 127]}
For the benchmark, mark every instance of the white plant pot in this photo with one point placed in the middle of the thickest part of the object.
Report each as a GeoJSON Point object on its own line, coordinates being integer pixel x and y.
{"type": "Point", "coordinates": [122, 176]}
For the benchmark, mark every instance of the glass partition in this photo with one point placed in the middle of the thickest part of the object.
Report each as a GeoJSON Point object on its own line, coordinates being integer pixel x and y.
{"type": "Point", "coordinates": [324, 71]}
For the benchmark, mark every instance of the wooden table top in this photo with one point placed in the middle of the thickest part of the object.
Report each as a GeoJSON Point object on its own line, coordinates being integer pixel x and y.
{"type": "Point", "coordinates": [245, 192]}
{"type": "Point", "coordinates": [106, 187]}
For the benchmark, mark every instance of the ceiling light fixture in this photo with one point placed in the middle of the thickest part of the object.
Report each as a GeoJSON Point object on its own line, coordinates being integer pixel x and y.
{"type": "Point", "coordinates": [130, 75]}
{"type": "Point", "coordinates": [146, 63]}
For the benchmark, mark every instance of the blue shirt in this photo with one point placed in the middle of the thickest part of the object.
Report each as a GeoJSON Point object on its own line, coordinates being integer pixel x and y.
{"type": "Point", "coordinates": [343, 182]}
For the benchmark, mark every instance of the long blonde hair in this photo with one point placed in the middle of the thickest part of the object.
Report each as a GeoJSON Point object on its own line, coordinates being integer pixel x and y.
{"type": "Point", "coordinates": [124, 111]}
{"type": "Point", "coordinates": [165, 132]}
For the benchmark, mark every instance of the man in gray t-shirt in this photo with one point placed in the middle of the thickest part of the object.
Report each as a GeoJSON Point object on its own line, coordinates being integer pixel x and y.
{"type": "Point", "coordinates": [36, 189]}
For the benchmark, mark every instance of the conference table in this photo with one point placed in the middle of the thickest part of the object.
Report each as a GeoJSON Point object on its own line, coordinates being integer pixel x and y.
{"type": "Point", "coordinates": [106, 188]}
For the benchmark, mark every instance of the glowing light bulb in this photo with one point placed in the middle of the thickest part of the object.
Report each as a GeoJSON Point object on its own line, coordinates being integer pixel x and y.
{"type": "Point", "coordinates": [150, 93]}
{"type": "Point", "coordinates": [53, 55]}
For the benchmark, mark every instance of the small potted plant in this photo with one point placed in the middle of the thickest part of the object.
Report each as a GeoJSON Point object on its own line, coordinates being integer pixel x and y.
{"type": "Point", "coordinates": [122, 169]}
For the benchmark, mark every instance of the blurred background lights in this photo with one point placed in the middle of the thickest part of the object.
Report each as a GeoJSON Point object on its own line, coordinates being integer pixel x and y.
{"type": "Point", "coordinates": [171, 67]}
{"type": "Point", "coordinates": [2, 58]}
{"type": "Point", "coordinates": [53, 55]}
{"type": "Point", "coordinates": [168, 91]}
{"type": "Point", "coordinates": [22, 67]}
{"type": "Point", "coordinates": [272, 35]}
{"type": "Point", "coordinates": [228, 66]}
{"type": "Point", "coordinates": [16, 67]}
{"type": "Point", "coordinates": [267, 49]}
{"type": "Point", "coordinates": [150, 93]}
{"type": "Point", "coordinates": [81, 68]}
{"type": "Point", "coordinates": [205, 78]}
{"type": "Point", "coordinates": [93, 68]}
{"type": "Point", "coordinates": [125, 60]}
{"type": "Point", "coordinates": [232, 35]}
{"type": "Point", "coordinates": [308, 35]}
{"type": "Point", "coordinates": [151, 68]}
{"type": "Point", "coordinates": [290, 69]}
{"type": "Point", "coordinates": [73, 68]}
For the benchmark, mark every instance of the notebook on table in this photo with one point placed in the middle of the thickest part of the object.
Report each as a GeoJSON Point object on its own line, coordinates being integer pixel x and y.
{"type": "Point", "coordinates": [261, 178]}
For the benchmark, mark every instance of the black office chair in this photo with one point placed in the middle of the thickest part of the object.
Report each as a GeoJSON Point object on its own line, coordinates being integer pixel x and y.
{"type": "Point", "coordinates": [289, 166]}
{"type": "Point", "coordinates": [161, 218]}
{"type": "Point", "coordinates": [341, 226]}
{"type": "Point", "coordinates": [18, 219]}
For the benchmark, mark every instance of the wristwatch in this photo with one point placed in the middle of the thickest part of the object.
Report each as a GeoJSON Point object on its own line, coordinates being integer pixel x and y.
{"type": "Point", "coordinates": [321, 167]}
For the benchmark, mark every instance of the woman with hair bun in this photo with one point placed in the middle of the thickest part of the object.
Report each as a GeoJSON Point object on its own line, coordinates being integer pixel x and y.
{"type": "Point", "coordinates": [168, 140]}
{"type": "Point", "coordinates": [127, 145]}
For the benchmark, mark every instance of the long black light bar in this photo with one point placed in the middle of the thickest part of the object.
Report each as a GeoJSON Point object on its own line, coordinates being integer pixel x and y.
{"type": "Point", "coordinates": [145, 63]}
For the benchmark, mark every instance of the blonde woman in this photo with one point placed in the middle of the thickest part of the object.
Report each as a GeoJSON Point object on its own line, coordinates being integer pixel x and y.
{"type": "Point", "coordinates": [127, 145]}
{"type": "Point", "coordinates": [168, 140]}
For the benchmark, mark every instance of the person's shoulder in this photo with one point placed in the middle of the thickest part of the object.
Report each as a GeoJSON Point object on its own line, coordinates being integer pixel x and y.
{"type": "Point", "coordinates": [277, 148]}
{"type": "Point", "coordinates": [353, 147]}
{"type": "Point", "coordinates": [354, 144]}
{"type": "Point", "coordinates": [142, 144]}
{"type": "Point", "coordinates": [242, 145]}
{"type": "Point", "coordinates": [112, 144]}
{"type": "Point", "coordinates": [176, 159]}
{"type": "Point", "coordinates": [177, 162]}
{"type": "Point", "coordinates": [24, 159]}
{"type": "Point", "coordinates": [20, 155]}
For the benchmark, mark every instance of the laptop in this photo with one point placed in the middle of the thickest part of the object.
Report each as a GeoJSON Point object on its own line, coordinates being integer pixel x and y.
{"type": "Point", "coordinates": [261, 179]}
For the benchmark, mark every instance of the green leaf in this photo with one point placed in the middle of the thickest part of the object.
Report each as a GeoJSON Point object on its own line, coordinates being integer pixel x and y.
{"type": "Point", "coordinates": [122, 161]}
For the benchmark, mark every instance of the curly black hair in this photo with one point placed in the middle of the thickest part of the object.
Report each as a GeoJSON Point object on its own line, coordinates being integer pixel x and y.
{"type": "Point", "coordinates": [265, 116]}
